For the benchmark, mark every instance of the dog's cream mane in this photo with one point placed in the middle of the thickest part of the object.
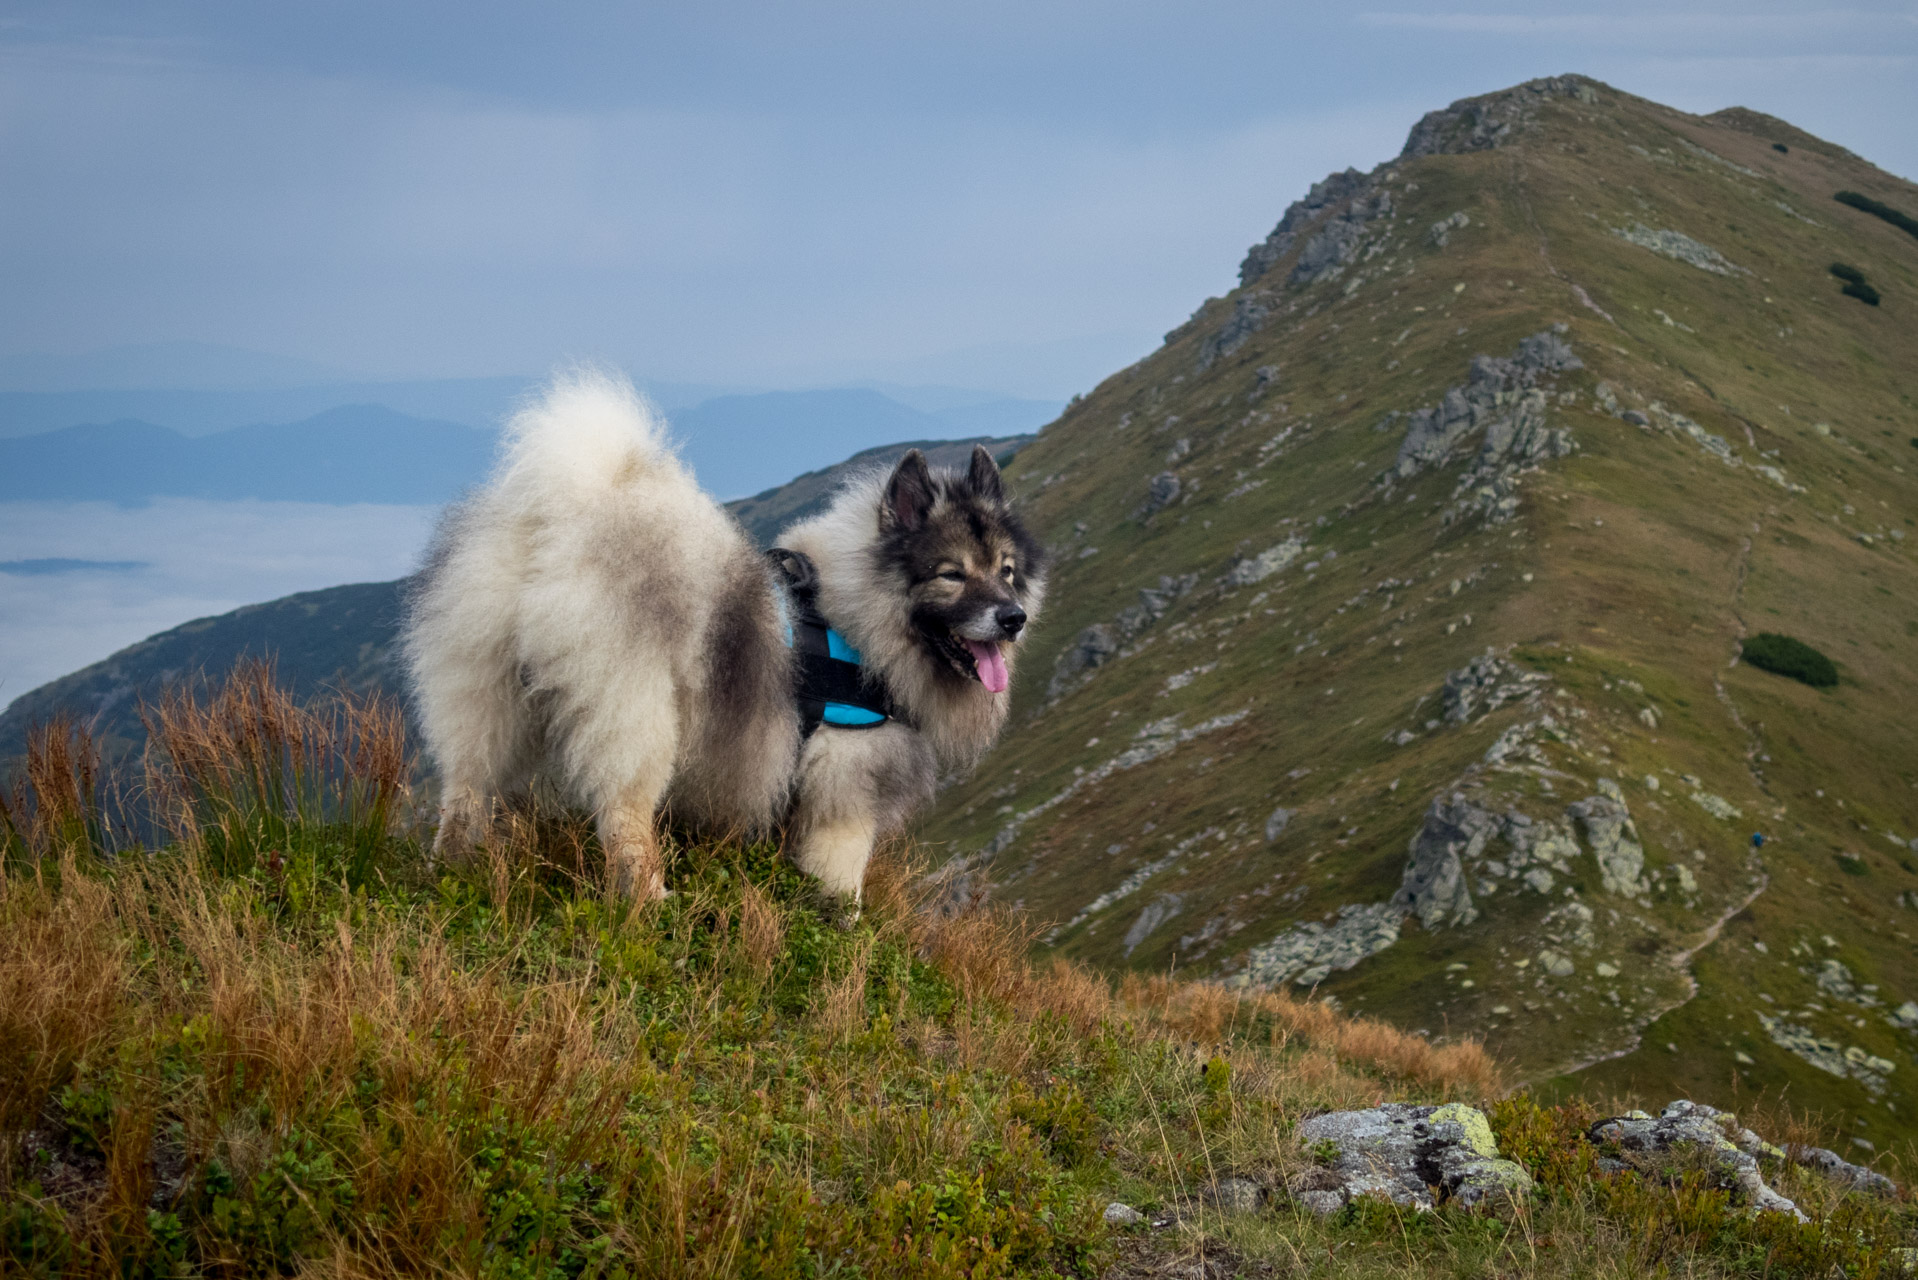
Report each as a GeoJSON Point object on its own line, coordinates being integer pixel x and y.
{"type": "Point", "coordinates": [866, 601]}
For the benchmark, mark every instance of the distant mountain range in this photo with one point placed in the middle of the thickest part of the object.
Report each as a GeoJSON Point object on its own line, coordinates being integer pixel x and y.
{"type": "Point", "coordinates": [394, 452]}
{"type": "Point", "coordinates": [342, 636]}
{"type": "Point", "coordinates": [355, 453]}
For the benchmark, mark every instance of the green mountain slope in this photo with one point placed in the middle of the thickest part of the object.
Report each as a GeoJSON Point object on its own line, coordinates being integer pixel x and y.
{"type": "Point", "coordinates": [1393, 644]}
{"type": "Point", "coordinates": [343, 636]}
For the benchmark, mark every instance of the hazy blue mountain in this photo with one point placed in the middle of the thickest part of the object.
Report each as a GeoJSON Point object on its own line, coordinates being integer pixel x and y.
{"type": "Point", "coordinates": [743, 444]}
{"type": "Point", "coordinates": [476, 402]}
{"type": "Point", "coordinates": [355, 453]}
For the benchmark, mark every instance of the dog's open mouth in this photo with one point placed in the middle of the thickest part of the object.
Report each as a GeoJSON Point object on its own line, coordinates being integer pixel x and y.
{"type": "Point", "coordinates": [981, 660]}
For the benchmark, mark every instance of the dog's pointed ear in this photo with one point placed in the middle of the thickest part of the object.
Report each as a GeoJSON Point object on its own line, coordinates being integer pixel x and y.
{"type": "Point", "coordinates": [909, 494]}
{"type": "Point", "coordinates": [982, 477]}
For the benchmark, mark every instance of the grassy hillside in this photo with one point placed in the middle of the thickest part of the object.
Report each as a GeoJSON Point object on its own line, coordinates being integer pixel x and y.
{"type": "Point", "coordinates": [1442, 714]}
{"type": "Point", "coordinates": [284, 1044]}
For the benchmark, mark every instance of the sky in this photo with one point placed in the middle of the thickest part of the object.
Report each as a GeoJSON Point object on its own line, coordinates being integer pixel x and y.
{"type": "Point", "coordinates": [1021, 196]}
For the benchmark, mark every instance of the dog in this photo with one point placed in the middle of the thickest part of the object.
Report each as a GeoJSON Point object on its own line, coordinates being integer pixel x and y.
{"type": "Point", "coordinates": [590, 615]}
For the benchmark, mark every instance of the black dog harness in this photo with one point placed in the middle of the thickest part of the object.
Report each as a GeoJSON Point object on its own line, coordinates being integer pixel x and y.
{"type": "Point", "coordinates": [828, 684]}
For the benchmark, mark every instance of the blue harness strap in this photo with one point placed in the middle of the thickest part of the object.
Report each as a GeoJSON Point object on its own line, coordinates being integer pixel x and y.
{"type": "Point", "coordinates": [829, 683]}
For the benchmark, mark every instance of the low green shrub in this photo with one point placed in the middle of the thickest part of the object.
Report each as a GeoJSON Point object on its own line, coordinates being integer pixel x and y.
{"type": "Point", "coordinates": [1863, 292]}
{"type": "Point", "coordinates": [1845, 271]}
{"type": "Point", "coordinates": [1784, 656]}
{"type": "Point", "coordinates": [1879, 209]}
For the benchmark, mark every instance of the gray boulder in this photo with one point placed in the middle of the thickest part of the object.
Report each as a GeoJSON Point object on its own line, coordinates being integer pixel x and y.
{"type": "Point", "coordinates": [1837, 1168]}
{"type": "Point", "coordinates": [1401, 1152]}
{"type": "Point", "coordinates": [1694, 1126]}
{"type": "Point", "coordinates": [1614, 839]}
{"type": "Point", "coordinates": [1433, 887]}
{"type": "Point", "coordinates": [1235, 1195]}
{"type": "Point", "coordinates": [1161, 491]}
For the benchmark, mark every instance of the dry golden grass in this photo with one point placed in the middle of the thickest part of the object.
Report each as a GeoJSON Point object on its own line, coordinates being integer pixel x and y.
{"type": "Point", "coordinates": [231, 772]}
{"type": "Point", "coordinates": [53, 807]}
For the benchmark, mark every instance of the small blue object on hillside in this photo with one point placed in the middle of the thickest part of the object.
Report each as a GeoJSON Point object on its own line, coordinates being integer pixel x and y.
{"type": "Point", "coordinates": [1758, 839]}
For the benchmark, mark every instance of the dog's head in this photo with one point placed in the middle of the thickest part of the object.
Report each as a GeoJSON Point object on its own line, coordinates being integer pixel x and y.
{"type": "Point", "coordinates": [974, 574]}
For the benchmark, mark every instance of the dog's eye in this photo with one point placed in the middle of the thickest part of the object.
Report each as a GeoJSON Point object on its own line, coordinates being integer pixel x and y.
{"type": "Point", "coordinates": [953, 575]}
{"type": "Point", "coordinates": [1006, 573]}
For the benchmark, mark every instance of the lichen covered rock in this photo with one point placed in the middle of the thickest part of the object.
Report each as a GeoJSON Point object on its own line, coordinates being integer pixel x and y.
{"type": "Point", "coordinates": [1401, 1152]}
{"type": "Point", "coordinates": [1693, 1125]}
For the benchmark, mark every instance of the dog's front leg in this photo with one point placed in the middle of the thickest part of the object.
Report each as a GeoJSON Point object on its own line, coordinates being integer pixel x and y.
{"type": "Point", "coordinates": [855, 786]}
{"type": "Point", "coordinates": [834, 851]}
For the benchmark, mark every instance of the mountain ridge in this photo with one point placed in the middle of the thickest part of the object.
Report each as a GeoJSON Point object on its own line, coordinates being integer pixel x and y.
{"type": "Point", "coordinates": [1393, 645]}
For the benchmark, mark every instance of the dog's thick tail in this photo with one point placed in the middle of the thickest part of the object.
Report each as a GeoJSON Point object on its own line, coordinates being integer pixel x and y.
{"type": "Point", "coordinates": [589, 431]}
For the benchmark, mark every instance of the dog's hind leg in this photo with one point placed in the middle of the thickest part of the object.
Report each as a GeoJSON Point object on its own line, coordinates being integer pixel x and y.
{"type": "Point", "coordinates": [620, 752]}
{"type": "Point", "coordinates": [629, 834]}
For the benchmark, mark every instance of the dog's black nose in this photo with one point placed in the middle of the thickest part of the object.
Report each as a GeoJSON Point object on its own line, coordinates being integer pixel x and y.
{"type": "Point", "coordinates": [1011, 619]}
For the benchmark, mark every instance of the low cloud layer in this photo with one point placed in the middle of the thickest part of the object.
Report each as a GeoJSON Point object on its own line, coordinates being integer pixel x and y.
{"type": "Point", "coordinates": [201, 558]}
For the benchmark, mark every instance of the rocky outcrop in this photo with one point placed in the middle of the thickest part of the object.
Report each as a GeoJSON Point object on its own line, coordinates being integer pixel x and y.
{"type": "Point", "coordinates": [1339, 240]}
{"type": "Point", "coordinates": [1265, 564]}
{"type": "Point", "coordinates": [1099, 643]}
{"type": "Point", "coordinates": [1485, 684]}
{"type": "Point", "coordinates": [1265, 255]}
{"type": "Point", "coordinates": [1614, 839]}
{"type": "Point", "coordinates": [1732, 1150]}
{"type": "Point", "coordinates": [1480, 124]}
{"type": "Point", "coordinates": [1831, 1056]}
{"type": "Point", "coordinates": [1500, 403]}
{"type": "Point", "coordinates": [1678, 245]}
{"type": "Point", "coordinates": [1312, 951]}
{"type": "Point", "coordinates": [1441, 232]}
{"type": "Point", "coordinates": [1249, 315]}
{"type": "Point", "coordinates": [1161, 491]}
{"type": "Point", "coordinates": [1434, 887]}
{"type": "Point", "coordinates": [1404, 1154]}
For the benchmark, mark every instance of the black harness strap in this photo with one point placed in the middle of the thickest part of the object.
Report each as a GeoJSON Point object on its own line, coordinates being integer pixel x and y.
{"type": "Point", "coordinates": [821, 680]}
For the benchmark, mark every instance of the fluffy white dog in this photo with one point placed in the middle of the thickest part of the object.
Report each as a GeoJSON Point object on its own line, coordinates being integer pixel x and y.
{"type": "Point", "coordinates": [592, 615]}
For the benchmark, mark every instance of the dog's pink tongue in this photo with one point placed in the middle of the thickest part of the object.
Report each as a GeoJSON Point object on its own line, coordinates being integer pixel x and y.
{"type": "Point", "coordinates": [991, 664]}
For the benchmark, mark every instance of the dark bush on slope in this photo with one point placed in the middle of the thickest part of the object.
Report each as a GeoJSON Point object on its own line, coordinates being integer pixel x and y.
{"type": "Point", "coordinates": [1784, 656]}
{"type": "Point", "coordinates": [1879, 209]}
